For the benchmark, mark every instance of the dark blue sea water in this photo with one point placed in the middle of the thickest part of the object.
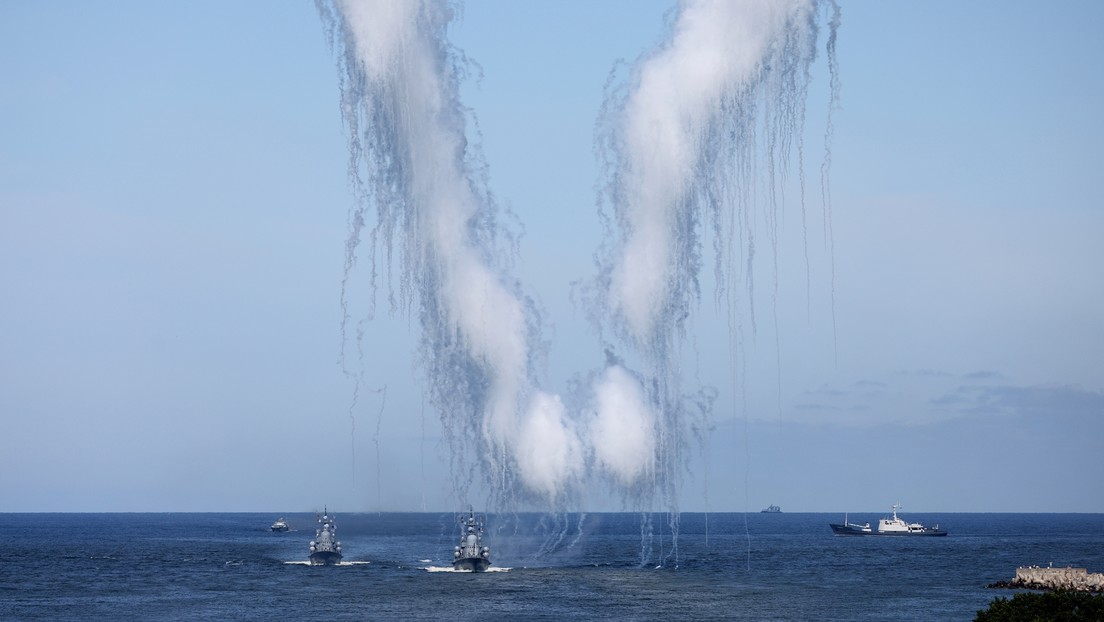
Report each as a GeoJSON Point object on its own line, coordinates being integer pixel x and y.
{"type": "Point", "coordinates": [594, 566]}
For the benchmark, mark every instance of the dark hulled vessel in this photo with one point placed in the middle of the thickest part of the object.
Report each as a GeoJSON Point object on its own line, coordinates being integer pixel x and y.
{"type": "Point", "coordinates": [850, 529]}
{"type": "Point", "coordinates": [471, 554]}
{"type": "Point", "coordinates": [325, 550]}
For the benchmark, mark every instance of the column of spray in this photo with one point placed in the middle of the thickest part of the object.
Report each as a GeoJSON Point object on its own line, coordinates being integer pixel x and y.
{"type": "Point", "coordinates": [410, 161]}
{"type": "Point", "coordinates": [680, 145]}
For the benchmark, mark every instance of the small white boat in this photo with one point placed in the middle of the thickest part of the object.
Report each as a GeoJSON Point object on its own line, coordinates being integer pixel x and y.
{"type": "Point", "coordinates": [887, 526]}
{"type": "Point", "coordinates": [280, 525]}
{"type": "Point", "coordinates": [899, 527]}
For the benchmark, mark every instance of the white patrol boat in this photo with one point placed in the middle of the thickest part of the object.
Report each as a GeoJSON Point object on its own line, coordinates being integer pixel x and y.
{"type": "Point", "coordinates": [887, 526]}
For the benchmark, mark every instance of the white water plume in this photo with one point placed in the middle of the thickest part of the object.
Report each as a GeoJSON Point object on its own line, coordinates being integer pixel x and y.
{"type": "Point", "coordinates": [680, 142]}
{"type": "Point", "coordinates": [697, 143]}
{"type": "Point", "coordinates": [411, 161]}
{"type": "Point", "coordinates": [623, 427]}
{"type": "Point", "coordinates": [685, 142]}
{"type": "Point", "coordinates": [550, 447]}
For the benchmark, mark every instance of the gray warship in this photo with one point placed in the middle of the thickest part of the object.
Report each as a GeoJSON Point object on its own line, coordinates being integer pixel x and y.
{"type": "Point", "coordinates": [471, 554]}
{"type": "Point", "coordinates": [325, 550]}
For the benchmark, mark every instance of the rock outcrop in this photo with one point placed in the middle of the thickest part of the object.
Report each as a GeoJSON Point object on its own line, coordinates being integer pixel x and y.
{"type": "Point", "coordinates": [1036, 578]}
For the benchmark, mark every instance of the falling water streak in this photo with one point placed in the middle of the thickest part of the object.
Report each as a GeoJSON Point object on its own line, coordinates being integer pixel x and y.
{"type": "Point", "coordinates": [645, 537]}
{"type": "Point", "coordinates": [421, 453]}
{"type": "Point", "coordinates": [356, 226]}
{"type": "Point", "coordinates": [555, 535]}
{"type": "Point", "coordinates": [777, 203]}
{"type": "Point", "coordinates": [674, 519]}
{"type": "Point", "coordinates": [826, 165]}
{"type": "Point", "coordinates": [661, 559]}
{"type": "Point", "coordinates": [357, 376]}
{"type": "Point", "coordinates": [352, 430]}
{"type": "Point", "coordinates": [747, 468]}
{"type": "Point", "coordinates": [707, 526]}
{"type": "Point", "coordinates": [777, 351]}
{"type": "Point", "coordinates": [542, 527]}
{"type": "Point", "coordinates": [702, 436]}
{"type": "Point", "coordinates": [800, 131]}
{"type": "Point", "coordinates": [739, 394]}
{"type": "Point", "coordinates": [579, 531]}
{"type": "Point", "coordinates": [739, 388]}
{"type": "Point", "coordinates": [415, 157]}
{"type": "Point", "coordinates": [732, 120]}
{"type": "Point", "coordinates": [376, 441]}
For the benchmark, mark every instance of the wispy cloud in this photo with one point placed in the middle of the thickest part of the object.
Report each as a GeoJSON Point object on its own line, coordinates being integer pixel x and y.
{"type": "Point", "coordinates": [925, 373]}
{"type": "Point", "coordinates": [984, 375]}
{"type": "Point", "coordinates": [931, 395]}
{"type": "Point", "coordinates": [1026, 400]}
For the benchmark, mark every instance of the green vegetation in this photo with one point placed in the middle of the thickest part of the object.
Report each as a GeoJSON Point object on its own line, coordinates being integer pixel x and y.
{"type": "Point", "coordinates": [1045, 607]}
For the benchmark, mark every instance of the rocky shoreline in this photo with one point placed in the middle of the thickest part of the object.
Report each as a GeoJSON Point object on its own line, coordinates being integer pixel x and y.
{"type": "Point", "coordinates": [1054, 579]}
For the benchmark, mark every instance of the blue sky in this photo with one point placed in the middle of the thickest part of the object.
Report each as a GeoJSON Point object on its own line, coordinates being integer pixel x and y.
{"type": "Point", "coordinates": [173, 200]}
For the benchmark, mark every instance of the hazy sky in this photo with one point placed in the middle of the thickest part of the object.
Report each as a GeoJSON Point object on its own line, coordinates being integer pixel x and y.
{"type": "Point", "coordinates": [173, 215]}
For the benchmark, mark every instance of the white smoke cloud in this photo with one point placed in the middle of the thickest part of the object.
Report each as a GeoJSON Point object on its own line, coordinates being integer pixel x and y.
{"type": "Point", "coordinates": [381, 30]}
{"type": "Point", "coordinates": [493, 324]}
{"type": "Point", "coordinates": [717, 48]}
{"type": "Point", "coordinates": [622, 431]}
{"type": "Point", "coordinates": [410, 160]}
{"type": "Point", "coordinates": [549, 452]}
{"type": "Point", "coordinates": [407, 128]}
{"type": "Point", "coordinates": [696, 136]}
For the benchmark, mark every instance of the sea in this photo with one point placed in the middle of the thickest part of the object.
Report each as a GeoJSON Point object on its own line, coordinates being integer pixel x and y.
{"type": "Point", "coordinates": [594, 566]}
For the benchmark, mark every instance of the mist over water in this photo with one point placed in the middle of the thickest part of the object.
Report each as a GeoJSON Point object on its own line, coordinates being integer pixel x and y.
{"type": "Point", "coordinates": [695, 143]}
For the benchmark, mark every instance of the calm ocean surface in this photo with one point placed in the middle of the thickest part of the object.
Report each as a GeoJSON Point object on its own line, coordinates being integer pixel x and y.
{"type": "Point", "coordinates": [729, 566]}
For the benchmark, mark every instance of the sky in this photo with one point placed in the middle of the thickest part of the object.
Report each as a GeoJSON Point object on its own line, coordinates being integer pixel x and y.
{"type": "Point", "coordinates": [174, 205]}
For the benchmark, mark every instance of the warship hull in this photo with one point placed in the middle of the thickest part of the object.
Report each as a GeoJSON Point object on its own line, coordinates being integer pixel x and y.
{"type": "Point", "coordinates": [471, 555]}
{"type": "Point", "coordinates": [325, 558]}
{"type": "Point", "coordinates": [325, 550]}
{"type": "Point", "coordinates": [471, 564]}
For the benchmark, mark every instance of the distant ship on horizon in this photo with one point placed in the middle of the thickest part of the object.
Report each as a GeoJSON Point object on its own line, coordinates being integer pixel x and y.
{"type": "Point", "coordinates": [771, 509]}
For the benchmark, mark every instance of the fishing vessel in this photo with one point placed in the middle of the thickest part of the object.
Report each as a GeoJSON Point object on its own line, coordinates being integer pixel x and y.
{"type": "Point", "coordinates": [471, 554]}
{"type": "Point", "coordinates": [887, 526]}
{"type": "Point", "coordinates": [280, 525]}
{"type": "Point", "coordinates": [325, 550]}
{"type": "Point", "coordinates": [851, 529]}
